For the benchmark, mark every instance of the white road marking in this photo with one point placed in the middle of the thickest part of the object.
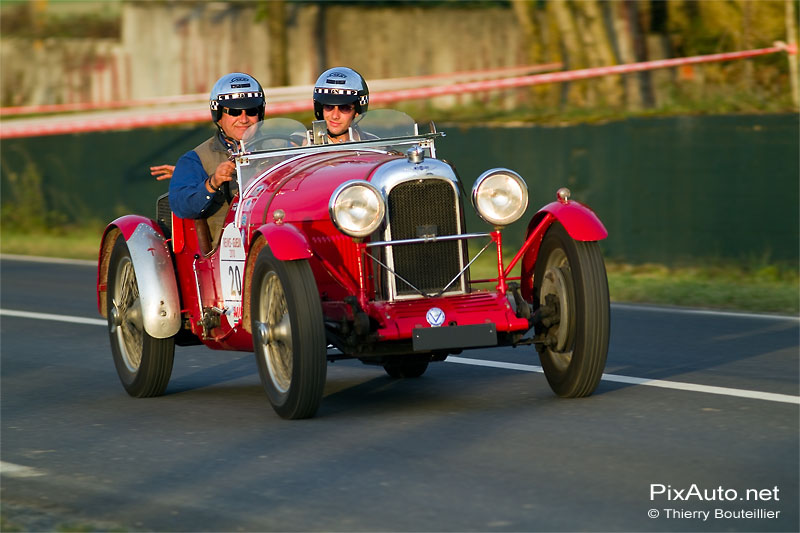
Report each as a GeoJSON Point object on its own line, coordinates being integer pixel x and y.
{"type": "Point", "coordinates": [708, 312]}
{"type": "Point", "coordinates": [677, 385]}
{"type": "Point", "coordinates": [709, 389]}
{"type": "Point", "coordinates": [12, 470]}
{"type": "Point", "coordinates": [54, 260]}
{"type": "Point", "coordinates": [59, 318]}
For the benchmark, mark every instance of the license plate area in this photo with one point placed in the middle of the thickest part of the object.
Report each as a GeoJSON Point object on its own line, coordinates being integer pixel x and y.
{"type": "Point", "coordinates": [424, 339]}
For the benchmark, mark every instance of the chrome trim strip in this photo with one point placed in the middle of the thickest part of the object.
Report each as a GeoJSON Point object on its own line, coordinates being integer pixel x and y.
{"type": "Point", "coordinates": [463, 236]}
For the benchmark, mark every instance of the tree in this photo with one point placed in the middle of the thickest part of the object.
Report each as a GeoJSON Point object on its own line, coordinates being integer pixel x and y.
{"type": "Point", "coordinates": [599, 52]}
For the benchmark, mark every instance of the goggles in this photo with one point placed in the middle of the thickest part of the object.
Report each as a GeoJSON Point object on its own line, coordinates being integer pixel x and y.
{"type": "Point", "coordinates": [250, 111]}
{"type": "Point", "coordinates": [343, 108]}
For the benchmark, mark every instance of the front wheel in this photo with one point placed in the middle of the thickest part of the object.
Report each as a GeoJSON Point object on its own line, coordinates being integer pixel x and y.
{"type": "Point", "coordinates": [288, 335]}
{"type": "Point", "coordinates": [570, 291]}
{"type": "Point", "coordinates": [144, 363]}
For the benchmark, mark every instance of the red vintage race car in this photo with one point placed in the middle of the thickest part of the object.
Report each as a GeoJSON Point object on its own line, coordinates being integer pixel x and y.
{"type": "Point", "coordinates": [354, 250]}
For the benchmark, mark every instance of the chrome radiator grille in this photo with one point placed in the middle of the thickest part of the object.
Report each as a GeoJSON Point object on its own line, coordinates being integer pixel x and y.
{"type": "Point", "coordinates": [417, 209]}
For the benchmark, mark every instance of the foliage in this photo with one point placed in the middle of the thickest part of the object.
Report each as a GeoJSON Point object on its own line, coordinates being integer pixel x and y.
{"type": "Point", "coordinates": [476, 4]}
{"type": "Point", "coordinates": [24, 204]}
{"type": "Point", "coordinates": [711, 27]}
{"type": "Point", "coordinates": [584, 34]}
{"type": "Point", "coordinates": [29, 205]}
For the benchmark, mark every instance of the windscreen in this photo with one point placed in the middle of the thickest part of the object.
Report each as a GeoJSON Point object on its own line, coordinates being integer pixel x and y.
{"type": "Point", "coordinates": [269, 142]}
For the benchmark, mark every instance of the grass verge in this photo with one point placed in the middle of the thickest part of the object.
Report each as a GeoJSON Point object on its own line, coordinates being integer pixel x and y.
{"type": "Point", "coordinates": [767, 288]}
{"type": "Point", "coordinates": [78, 243]}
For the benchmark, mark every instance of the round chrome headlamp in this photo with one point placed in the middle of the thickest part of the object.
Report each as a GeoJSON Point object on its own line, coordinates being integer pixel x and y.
{"type": "Point", "coordinates": [356, 208]}
{"type": "Point", "coordinates": [500, 196]}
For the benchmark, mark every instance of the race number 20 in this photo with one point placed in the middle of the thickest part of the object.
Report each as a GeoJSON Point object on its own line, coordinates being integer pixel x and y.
{"type": "Point", "coordinates": [231, 268]}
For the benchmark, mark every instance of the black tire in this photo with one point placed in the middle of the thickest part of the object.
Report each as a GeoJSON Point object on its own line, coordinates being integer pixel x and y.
{"type": "Point", "coordinates": [144, 364]}
{"type": "Point", "coordinates": [406, 366]}
{"type": "Point", "coordinates": [288, 335]}
{"type": "Point", "coordinates": [570, 277]}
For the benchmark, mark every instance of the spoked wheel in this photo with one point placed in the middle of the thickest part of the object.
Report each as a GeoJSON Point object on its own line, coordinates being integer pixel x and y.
{"type": "Point", "coordinates": [144, 363]}
{"type": "Point", "coordinates": [407, 366]}
{"type": "Point", "coordinates": [288, 335]}
{"type": "Point", "coordinates": [571, 295]}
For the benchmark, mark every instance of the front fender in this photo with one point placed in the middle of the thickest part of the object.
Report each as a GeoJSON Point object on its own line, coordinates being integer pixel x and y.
{"type": "Point", "coordinates": [286, 242]}
{"type": "Point", "coordinates": [155, 274]}
{"type": "Point", "coordinates": [581, 223]}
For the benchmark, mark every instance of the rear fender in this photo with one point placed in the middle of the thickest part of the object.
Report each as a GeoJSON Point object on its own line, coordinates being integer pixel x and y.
{"type": "Point", "coordinates": [155, 273]}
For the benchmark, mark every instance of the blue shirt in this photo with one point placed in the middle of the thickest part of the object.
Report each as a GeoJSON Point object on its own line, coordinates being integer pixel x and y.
{"type": "Point", "coordinates": [188, 196]}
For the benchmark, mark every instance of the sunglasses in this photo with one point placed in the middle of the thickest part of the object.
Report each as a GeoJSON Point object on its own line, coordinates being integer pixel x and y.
{"type": "Point", "coordinates": [250, 112]}
{"type": "Point", "coordinates": [344, 108]}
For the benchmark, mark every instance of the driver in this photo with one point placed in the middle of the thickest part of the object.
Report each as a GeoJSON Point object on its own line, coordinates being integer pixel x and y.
{"type": "Point", "coordinates": [201, 184]}
{"type": "Point", "coordinates": [340, 95]}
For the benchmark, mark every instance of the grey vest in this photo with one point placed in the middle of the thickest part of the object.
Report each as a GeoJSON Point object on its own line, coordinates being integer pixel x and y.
{"type": "Point", "coordinates": [211, 153]}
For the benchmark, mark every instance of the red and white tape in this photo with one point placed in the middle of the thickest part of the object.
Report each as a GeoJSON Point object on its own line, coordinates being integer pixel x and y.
{"type": "Point", "coordinates": [34, 127]}
{"type": "Point", "coordinates": [277, 94]}
{"type": "Point", "coordinates": [572, 75]}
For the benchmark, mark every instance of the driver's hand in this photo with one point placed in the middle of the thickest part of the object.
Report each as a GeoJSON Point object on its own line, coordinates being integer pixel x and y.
{"type": "Point", "coordinates": [162, 172]}
{"type": "Point", "coordinates": [225, 172]}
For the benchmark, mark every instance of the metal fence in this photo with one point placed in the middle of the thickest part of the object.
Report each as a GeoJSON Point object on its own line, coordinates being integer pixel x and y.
{"type": "Point", "coordinates": [669, 190]}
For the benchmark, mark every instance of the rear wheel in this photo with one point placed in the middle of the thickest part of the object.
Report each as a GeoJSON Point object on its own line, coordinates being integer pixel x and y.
{"type": "Point", "coordinates": [144, 363]}
{"type": "Point", "coordinates": [288, 335]}
{"type": "Point", "coordinates": [571, 296]}
{"type": "Point", "coordinates": [407, 366]}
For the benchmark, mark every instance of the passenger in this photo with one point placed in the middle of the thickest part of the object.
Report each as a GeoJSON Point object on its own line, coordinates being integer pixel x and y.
{"type": "Point", "coordinates": [340, 95]}
{"type": "Point", "coordinates": [203, 183]}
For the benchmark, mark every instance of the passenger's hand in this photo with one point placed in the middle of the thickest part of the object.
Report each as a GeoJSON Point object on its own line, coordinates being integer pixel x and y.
{"type": "Point", "coordinates": [225, 172]}
{"type": "Point", "coordinates": [162, 172]}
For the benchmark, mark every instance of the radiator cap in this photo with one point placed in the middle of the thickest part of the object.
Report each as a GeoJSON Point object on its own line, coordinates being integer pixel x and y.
{"type": "Point", "coordinates": [415, 154]}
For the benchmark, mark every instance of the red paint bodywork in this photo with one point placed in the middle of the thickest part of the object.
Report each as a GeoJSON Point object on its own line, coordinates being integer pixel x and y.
{"type": "Point", "coordinates": [301, 188]}
{"type": "Point", "coordinates": [581, 223]}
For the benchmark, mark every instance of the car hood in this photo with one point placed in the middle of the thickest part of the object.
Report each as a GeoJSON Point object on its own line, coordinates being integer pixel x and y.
{"type": "Point", "coordinates": [303, 187]}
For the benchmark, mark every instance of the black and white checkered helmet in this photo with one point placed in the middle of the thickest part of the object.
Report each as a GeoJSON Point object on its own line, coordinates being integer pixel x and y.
{"type": "Point", "coordinates": [340, 85]}
{"type": "Point", "coordinates": [236, 90]}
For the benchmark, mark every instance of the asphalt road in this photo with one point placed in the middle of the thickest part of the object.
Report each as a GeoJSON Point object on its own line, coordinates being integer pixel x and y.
{"type": "Point", "coordinates": [698, 414]}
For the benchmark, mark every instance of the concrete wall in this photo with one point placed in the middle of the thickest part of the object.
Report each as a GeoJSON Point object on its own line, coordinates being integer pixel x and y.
{"type": "Point", "coordinates": [57, 71]}
{"type": "Point", "coordinates": [172, 48]}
